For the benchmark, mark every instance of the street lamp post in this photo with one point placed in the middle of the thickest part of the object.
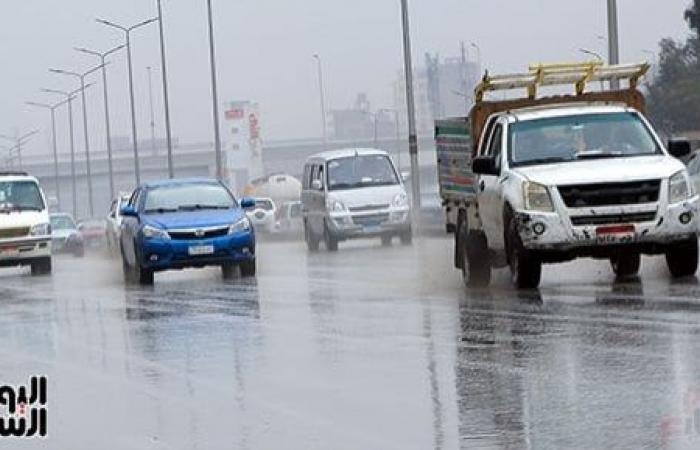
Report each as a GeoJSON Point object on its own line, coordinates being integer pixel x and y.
{"type": "Point", "coordinates": [597, 56]}
{"type": "Point", "coordinates": [19, 142]}
{"type": "Point", "coordinates": [411, 107]}
{"type": "Point", "coordinates": [81, 77]}
{"type": "Point", "coordinates": [478, 54]}
{"type": "Point", "coordinates": [103, 63]}
{"type": "Point", "coordinates": [322, 99]}
{"type": "Point", "coordinates": [214, 94]}
{"type": "Point", "coordinates": [398, 133]}
{"type": "Point", "coordinates": [69, 98]}
{"type": "Point", "coordinates": [52, 109]}
{"type": "Point", "coordinates": [166, 99]}
{"type": "Point", "coordinates": [613, 40]}
{"type": "Point", "coordinates": [150, 101]}
{"type": "Point", "coordinates": [127, 35]}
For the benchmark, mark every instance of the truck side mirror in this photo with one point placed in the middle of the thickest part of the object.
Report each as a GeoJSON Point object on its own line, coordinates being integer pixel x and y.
{"type": "Point", "coordinates": [679, 147]}
{"type": "Point", "coordinates": [485, 165]}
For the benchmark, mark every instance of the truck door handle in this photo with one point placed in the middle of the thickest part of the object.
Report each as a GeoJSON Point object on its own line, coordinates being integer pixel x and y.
{"type": "Point", "coordinates": [482, 185]}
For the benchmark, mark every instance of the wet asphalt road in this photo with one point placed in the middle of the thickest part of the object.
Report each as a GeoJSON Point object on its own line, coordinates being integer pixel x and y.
{"type": "Point", "coordinates": [369, 348]}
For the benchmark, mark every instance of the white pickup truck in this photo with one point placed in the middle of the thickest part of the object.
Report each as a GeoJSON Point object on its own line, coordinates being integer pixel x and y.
{"type": "Point", "coordinates": [584, 175]}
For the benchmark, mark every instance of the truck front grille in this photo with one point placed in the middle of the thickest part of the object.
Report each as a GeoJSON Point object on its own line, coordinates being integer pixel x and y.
{"type": "Point", "coordinates": [6, 233]}
{"type": "Point", "coordinates": [608, 194]}
{"type": "Point", "coordinates": [373, 219]}
{"type": "Point", "coordinates": [607, 219]}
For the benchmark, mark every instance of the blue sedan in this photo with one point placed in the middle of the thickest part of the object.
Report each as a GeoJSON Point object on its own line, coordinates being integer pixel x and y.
{"type": "Point", "coordinates": [176, 224]}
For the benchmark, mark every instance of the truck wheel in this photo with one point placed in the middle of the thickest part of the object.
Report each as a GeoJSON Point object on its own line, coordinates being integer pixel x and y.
{"type": "Point", "coordinates": [386, 240]}
{"type": "Point", "coordinates": [476, 267]}
{"type": "Point", "coordinates": [406, 237]}
{"type": "Point", "coordinates": [41, 266]}
{"type": "Point", "coordinates": [525, 268]}
{"type": "Point", "coordinates": [311, 240]}
{"type": "Point", "coordinates": [330, 240]}
{"type": "Point", "coordinates": [682, 258]}
{"type": "Point", "coordinates": [626, 264]}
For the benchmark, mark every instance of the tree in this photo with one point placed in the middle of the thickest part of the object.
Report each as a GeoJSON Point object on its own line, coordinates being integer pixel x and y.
{"type": "Point", "coordinates": [674, 94]}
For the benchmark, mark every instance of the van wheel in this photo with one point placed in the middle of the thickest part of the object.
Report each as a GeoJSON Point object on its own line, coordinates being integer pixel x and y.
{"type": "Point", "coordinates": [311, 239]}
{"type": "Point", "coordinates": [682, 258]}
{"type": "Point", "coordinates": [626, 264]}
{"type": "Point", "coordinates": [41, 266]}
{"type": "Point", "coordinates": [386, 240]}
{"type": "Point", "coordinates": [476, 267]}
{"type": "Point", "coordinates": [330, 240]}
{"type": "Point", "coordinates": [525, 267]}
{"type": "Point", "coordinates": [406, 237]}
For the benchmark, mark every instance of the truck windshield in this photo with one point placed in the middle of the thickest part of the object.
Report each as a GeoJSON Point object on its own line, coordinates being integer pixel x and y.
{"type": "Point", "coordinates": [572, 138]}
{"type": "Point", "coordinates": [360, 171]}
{"type": "Point", "coordinates": [187, 196]}
{"type": "Point", "coordinates": [20, 195]}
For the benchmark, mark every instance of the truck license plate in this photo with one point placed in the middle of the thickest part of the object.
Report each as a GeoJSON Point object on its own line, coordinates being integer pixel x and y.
{"type": "Point", "coordinates": [615, 233]}
{"type": "Point", "coordinates": [198, 250]}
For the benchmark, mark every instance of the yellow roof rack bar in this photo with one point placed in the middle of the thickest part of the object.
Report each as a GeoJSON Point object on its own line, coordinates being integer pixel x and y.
{"type": "Point", "coordinates": [577, 74]}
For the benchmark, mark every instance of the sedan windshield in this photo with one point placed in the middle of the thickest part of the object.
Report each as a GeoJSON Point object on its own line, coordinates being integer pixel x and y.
{"type": "Point", "coordinates": [187, 197]}
{"type": "Point", "coordinates": [361, 171]}
{"type": "Point", "coordinates": [62, 223]}
{"type": "Point", "coordinates": [579, 137]}
{"type": "Point", "coordinates": [20, 195]}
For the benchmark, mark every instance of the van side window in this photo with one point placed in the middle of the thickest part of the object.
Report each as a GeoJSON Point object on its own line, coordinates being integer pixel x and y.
{"type": "Point", "coordinates": [320, 176]}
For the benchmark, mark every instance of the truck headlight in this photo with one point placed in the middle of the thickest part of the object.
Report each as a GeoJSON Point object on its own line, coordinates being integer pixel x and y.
{"type": "Point", "coordinates": [150, 232]}
{"type": "Point", "coordinates": [537, 197]}
{"type": "Point", "coordinates": [241, 226]}
{"type": "Point", "coordinates": [678, 188]}
{"type": "Point", "coordinates": [400, 200]}
{"type": "Point", "coordinates": [42, 229]}
{"type": "Point", "coordinates": [335, 206]}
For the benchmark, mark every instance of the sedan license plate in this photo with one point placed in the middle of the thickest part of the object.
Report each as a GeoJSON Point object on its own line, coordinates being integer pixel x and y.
{"type": "Point", "coordinates": [199, 250]}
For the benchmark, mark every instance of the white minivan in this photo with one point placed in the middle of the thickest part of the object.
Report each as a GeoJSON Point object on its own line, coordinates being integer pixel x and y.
{"type": "Point", "coordinates": [353, 193]}
{"type": "Point", "coordinates": [25, 230]}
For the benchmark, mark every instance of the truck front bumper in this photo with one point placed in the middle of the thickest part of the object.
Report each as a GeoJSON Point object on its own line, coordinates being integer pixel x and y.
{"type": "Point", "coordinates": [651, 234]}
{"type": "Point", "coordinates": [19, 251]}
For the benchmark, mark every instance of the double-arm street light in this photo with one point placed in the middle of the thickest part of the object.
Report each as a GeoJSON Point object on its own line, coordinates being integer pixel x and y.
{"type": "Point", "coordinates": [81, 77]}
{"type": "Point", "coordinates": [69, 99]}
{"type": "Point", "coordinates": [19, 141]}
{"type": "Point", "coordinates": [52, 108]}
{"type": "Point", "coordinates": [103, 64]}
{"type": "Point", "coordinates": [166, 99]}
{"type": "Point", "coordinates": [322, 99]}
{"type": "Point", "coordinates": [127, 36]}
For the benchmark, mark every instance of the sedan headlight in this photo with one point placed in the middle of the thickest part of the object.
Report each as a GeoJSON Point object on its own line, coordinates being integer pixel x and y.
{"type": "Point", "coordinates": [42, 229]}
{"type": "Point", "coordinates": [400, 200]}
{"type": "Point", "coordinates": [678, 188]}
{"type": "Point", "coordinates": [537, 197]}
{"type": "Point", "coordinates": [241, 226]}
{"type": "Point", "coordinates": [150, 232]}
{"type": "Point", "coordinates": [335, 206]}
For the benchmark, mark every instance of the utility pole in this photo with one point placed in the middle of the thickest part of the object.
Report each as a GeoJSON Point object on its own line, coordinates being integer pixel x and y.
{"type": "Point", "coordinates": [411, 107]}
{"type": "Point", "coordinates": [166, 97]}
{"type": "Point", "coordinates": [322, 99]}
{"type": "Point", "coordinates": [613, 40]}
{"type": "Point", "coordinates": [153, 119]}
{"type": "Point", "coordinates": [465, 82]}
{"type": "Point", "coordinates": [214, 95]}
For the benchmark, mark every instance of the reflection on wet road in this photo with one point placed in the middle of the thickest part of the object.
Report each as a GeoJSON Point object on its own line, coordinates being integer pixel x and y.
{"type": "Point", "coordinates": [370, 348]}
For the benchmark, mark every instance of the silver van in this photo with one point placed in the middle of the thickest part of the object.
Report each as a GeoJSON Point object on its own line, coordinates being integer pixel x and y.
{"type": "Point", "coordinates": [353, 193]}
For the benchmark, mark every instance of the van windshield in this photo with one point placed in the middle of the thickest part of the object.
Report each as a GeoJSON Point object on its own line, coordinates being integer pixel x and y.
{"type": "Point", "coordinates": [20, 195]}
{"type": "Point", "coordinates": [578, 137]}
{"type": "Point", "coordinates": [361, 171]}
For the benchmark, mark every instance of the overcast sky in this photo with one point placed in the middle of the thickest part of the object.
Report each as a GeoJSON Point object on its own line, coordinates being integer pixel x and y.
{"type": "Point", "coordinates": [264, 50]}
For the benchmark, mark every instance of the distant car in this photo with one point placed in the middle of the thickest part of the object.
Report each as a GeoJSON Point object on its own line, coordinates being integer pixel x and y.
{"type": "Point", "coordinates": [176, 224]}
{"type": "Point", "coordinates": [694, 169]}
{"type": "Point", "coordinates": [114, 222]}
{"type": "Point", "coordinates": [290, 220]}
{"type": "Point", "coordinates": [25, 232]}
{"type": "Point", "coordinates": [262, 214]}
{"type": "Point", "coordinates": [65, 236]}
{"type": "Point", "coordinates": [93, 231]}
